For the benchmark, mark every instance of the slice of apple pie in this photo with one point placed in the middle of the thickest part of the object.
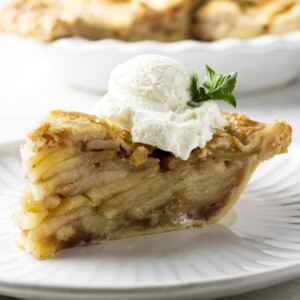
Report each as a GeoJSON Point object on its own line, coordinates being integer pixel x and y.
{"type": "Point", "coordinates": [86, 181]}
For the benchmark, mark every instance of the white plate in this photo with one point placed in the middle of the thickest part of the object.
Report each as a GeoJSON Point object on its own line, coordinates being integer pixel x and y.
{"type": "Point", "coordinates": [262, 62]}
{"type": "Point", "coordinates": [256, 245]}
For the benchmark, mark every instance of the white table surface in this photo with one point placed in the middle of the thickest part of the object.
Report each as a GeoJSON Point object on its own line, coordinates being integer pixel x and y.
{"type": "Point", "coordinates": [28, 90]}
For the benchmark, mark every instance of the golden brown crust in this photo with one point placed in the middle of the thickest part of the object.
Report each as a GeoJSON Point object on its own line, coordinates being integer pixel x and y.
{"type": "Point", "coordinates": [59, 118]}
{"type": "Point", "coordinates": [240, 133]}
{"type": "Point", "coordinates": [62, 125]}
{"type": "Point", "coordinates": [278, 135]}
{"type": "Point", "coordinates": [217, 19]}
{"type": "Point", "coordinates": [32, 18]}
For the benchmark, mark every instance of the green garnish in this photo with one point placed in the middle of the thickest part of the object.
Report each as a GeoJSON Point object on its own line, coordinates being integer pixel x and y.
{"type": "Point", "coordinates": [219, 86]}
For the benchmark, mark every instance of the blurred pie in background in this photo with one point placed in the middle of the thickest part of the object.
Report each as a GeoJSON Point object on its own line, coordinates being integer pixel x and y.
{"type": "Point", "coordinates": [135, 20]}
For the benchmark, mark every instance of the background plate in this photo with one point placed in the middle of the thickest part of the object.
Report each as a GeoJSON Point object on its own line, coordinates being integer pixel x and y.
{"type": "Point", "coordinates": [256, 245]}
{"type": "Point", "coordinates": [263, 62]}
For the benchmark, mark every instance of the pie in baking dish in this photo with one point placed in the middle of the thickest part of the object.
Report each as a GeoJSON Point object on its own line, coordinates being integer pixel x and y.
{"type": "Point", "coordinates": [86, 181]}
{"type": "Point", "coordinates": [161, 20]}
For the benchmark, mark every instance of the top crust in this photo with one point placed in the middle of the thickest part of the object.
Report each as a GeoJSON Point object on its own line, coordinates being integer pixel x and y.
{"type": "Point", "coordinates": [240, 135]}
{"type": "Point", "coordinates": [68, 121]}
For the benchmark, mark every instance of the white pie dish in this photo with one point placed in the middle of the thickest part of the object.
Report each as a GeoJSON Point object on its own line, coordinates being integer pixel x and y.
{"type": "Point", "coordinates": [255, 246]}
{"type": "Point", "coordinates": [262, 62]}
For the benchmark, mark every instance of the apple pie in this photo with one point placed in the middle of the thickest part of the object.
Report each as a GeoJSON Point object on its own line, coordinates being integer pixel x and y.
{"type": "Point", "coordinates": [165, 20]}
{"type": "Point", "coordinates": [86, 181]}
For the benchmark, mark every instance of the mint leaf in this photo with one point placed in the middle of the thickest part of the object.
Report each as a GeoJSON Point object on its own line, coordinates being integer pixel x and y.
{"type": "Point", "coordinates": [195, 92]}
{"type": "Point", "coordinates": [229, 82]}
{"type": "Point", "coordinates": [210, 78]}
{"type": "Point", "coordinates": [221, 95]}
{"type": "Point", "coordinates": [219, 86]}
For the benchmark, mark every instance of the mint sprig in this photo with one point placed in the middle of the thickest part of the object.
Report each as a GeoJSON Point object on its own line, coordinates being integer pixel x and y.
{"type": "Point", "coordinates": [219, 86]}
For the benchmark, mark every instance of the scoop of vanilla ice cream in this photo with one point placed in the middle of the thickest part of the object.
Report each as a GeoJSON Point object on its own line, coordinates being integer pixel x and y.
{"type": "Point", "coordinates": [148, 96]}
{"type": "Point", "coordinates": [152, 81]}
